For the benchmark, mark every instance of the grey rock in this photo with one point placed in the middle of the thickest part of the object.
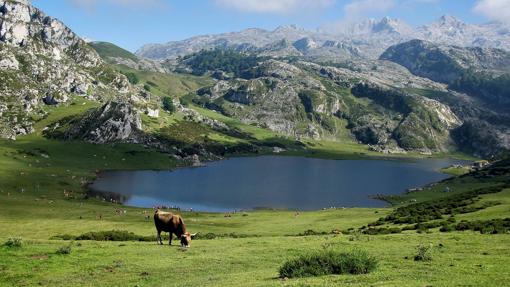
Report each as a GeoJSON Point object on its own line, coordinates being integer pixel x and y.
{"type": "Point", "coordinates": [113, 122]}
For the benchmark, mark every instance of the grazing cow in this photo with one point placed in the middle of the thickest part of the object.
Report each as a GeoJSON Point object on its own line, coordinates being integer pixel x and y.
{"type": "Point", "coordinates": [173, 224]}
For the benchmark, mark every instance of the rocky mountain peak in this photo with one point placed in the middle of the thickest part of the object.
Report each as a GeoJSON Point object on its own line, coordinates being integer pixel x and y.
{"type": "Point", "coordinates": [305, 44]}
{"type": "Point", "coordinates": [286, 28]}
{"type": "Point", "coordinates": [372, 26]}
{"type": "Point", "coordinates": [450, 20]}
{"type": "Point", "coordinates": [387, 25]}
{"type": "Point", "coordinates": [448, 25]}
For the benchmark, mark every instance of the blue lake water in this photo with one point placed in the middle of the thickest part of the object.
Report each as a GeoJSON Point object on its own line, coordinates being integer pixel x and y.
{"type": "Point", "coordinates": [273, 182]}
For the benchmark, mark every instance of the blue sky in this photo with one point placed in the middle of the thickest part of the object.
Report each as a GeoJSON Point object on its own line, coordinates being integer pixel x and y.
{"type": "Point", "coordinates": [132, 23]}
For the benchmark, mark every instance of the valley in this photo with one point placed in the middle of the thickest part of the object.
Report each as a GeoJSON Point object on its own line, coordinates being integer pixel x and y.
{"type": "Point", "coordinates": [383, 138]}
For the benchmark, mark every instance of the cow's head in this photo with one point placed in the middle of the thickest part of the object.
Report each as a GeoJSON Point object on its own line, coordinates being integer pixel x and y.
{"type": "Point", "coordinates": [186, 239]}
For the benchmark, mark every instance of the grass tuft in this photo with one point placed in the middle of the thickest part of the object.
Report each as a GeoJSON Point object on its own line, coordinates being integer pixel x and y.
{"type": "Point", "coordinates": [424, 253]}
{"type": "Point", "coordinates": [64, 250]}
{"type": "Point", "coordinates": [14, 242]}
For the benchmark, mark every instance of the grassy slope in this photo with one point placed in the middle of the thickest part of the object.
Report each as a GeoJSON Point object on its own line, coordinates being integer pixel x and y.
{"type": "Point", "coordinates": [175, 85]}
{"type": "Point", "coordinates": [107, 50]}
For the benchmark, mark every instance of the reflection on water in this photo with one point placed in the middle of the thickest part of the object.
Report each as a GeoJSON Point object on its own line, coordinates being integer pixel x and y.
{"type": "Point", "coordinates": [272, 182]}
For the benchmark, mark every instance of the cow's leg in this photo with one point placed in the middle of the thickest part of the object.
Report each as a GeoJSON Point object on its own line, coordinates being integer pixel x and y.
{"type": "Point", "coordinates": [170, 238]}
{"type": "Point", "coordinates": [158, 238]}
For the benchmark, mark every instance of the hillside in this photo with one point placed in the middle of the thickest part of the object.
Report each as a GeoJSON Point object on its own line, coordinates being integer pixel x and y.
{"type": "Point", "coordinates": [482, 74]}
{"type": "Point", "coordinates": [377, 103]}
{"type": "Point", "coordinates": [108, 50]}
{"type": "Point", "coordinates": [70, 110]}
{"type": "Point", "coordinates": [114, 54]}
{"type": "Point", "coordinates": [43, 63]}
{"type": "Point", "coordinates": [372, 102]}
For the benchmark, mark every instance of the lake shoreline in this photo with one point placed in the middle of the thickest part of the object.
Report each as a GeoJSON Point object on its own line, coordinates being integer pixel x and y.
{"type": "Point", "coordinates": [116, 197]}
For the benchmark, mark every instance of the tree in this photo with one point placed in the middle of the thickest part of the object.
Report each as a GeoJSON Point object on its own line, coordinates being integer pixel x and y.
{"type": "Point", "coordinates": [168, 104]}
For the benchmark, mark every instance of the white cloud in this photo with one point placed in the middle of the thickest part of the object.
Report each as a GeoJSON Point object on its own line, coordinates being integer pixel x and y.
{"type": "Point", "coordinates": [494, 9]}
{"type": "Point", "coordinates": [275, 6]}
{"type": "Point", "coordinates": [360, 8]}
{"type": "Point", "coordinates": [132, 4]}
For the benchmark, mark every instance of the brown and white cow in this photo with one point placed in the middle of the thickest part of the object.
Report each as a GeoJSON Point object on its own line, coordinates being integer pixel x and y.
{"type": "Point", "coordinates": [173, 224]}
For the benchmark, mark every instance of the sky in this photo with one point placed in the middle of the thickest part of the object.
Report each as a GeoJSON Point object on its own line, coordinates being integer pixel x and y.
{"type": "Point", "coordinates": [133, 23]}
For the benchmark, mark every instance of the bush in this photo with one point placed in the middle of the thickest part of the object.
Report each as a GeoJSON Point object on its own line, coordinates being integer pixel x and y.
{"type": "Point", "coordinates": [311, 232]}
{"type": "Point", "coordinates": [435, 209]}
{"type": "Point", "coordinates": [13, 242]}
{"type": "Point", "coordinates": [114, 235]}
{"type": "Point", "coordinates": [328, 262]}
{"type": "Point", "coordinates": [493, 226]}
{"type": "Point", "coordinates": [132, 78]}
{"type": "Point", "coordinates": [208, 236]}
{"type": "Point", "coordinates": [447, 228]}
{"type": "Point", "coordinates": [424, 253]}
{"type": "Point", "coordinates": [382, 231]}
{"type": "Point", "coordinates": [168, 104]}
{"type": "Point", "coordinates": [122, 235]}
{"type": "Point", "coordinates": [64, 250]}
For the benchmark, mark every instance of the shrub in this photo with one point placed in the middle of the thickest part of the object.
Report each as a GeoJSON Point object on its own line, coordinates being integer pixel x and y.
{"type": "Point", "coordinates": [64, 250]}
{"type": "Point", "coordinates": [122, 235]}
{"type": "Point", "coordinates": [328, 262]}
{"type": "Point", "coordinates": [435, 209]}
{"type": "Point", "coordinates": [132, 78]}
{"type": "Point", "coordinates": [113, 235]}
{"type": "Point", "coordinates": [208, 236]}
{"type": "Point", "coordinates": [13, 242]}
{"type": "Point", "coordinates": [63, 237]}
{"type": "Point", "coordinates": [493, 226]}
{"type": "Point", "coordinates": [382, 231]}
{"type": "Point", "coordinates": [424, 253]}
{"type": "Point", "coordinates": [168, 104]}
{"type": "Point", "coordinates": [311, 232]}
{"type": "Point", "coordinates": [447, 228]}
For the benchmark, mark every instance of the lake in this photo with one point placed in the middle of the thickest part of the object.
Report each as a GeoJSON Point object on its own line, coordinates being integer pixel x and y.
{"type": "Point", "coordinates": [272, 182]}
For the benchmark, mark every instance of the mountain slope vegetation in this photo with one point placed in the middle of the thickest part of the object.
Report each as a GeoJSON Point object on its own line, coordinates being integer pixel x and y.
{"type": "Point", "coordinates": [71, 109]}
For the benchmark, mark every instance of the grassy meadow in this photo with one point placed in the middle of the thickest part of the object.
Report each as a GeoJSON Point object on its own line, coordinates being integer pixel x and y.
{"type": "Point", "coordinates": [42, 185]}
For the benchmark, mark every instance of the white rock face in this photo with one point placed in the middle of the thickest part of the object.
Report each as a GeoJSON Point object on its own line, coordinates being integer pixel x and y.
{"type": "Point", "coordinates": [443, 112]}
{"type": "Point", "coordinates": [81, 89]}
{"type": "Point", "coordinates": [113, 122]}
{"type": "Point", "coordinates": [153, 113]}
{"type": "Point", "coordinates": [8, 62]}
{"type": "Point", "coordinates": [14, 27]}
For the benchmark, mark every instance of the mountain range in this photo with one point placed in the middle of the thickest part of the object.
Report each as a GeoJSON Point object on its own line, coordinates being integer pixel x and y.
{"type": "Point", "coordinates": [364, 39]}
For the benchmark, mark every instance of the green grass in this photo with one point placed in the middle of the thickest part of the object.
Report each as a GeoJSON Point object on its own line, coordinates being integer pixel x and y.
{"type": "Point", "coordinates": [464, 260]}
{"type": "Point", "coordinates": [42, 211]}
{"type": "Point", "coordinates": [41, 196]}
{"type": "Point", "coordinates": [168, 84]}
{"type": "Point", "coordinates": [456, 171]}
{"type": "Point", "coordinates": [108, 50]}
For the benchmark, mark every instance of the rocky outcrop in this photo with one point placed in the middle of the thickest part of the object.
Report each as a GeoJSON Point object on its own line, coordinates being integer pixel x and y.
{"type": "Point", "coordinates": [42, 62]}
{"type": "Point", "coordinates": [113, 122]}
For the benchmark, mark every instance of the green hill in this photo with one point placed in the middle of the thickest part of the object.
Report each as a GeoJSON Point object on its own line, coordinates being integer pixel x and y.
{"type": "Point", "coordinates": [108, 50]}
